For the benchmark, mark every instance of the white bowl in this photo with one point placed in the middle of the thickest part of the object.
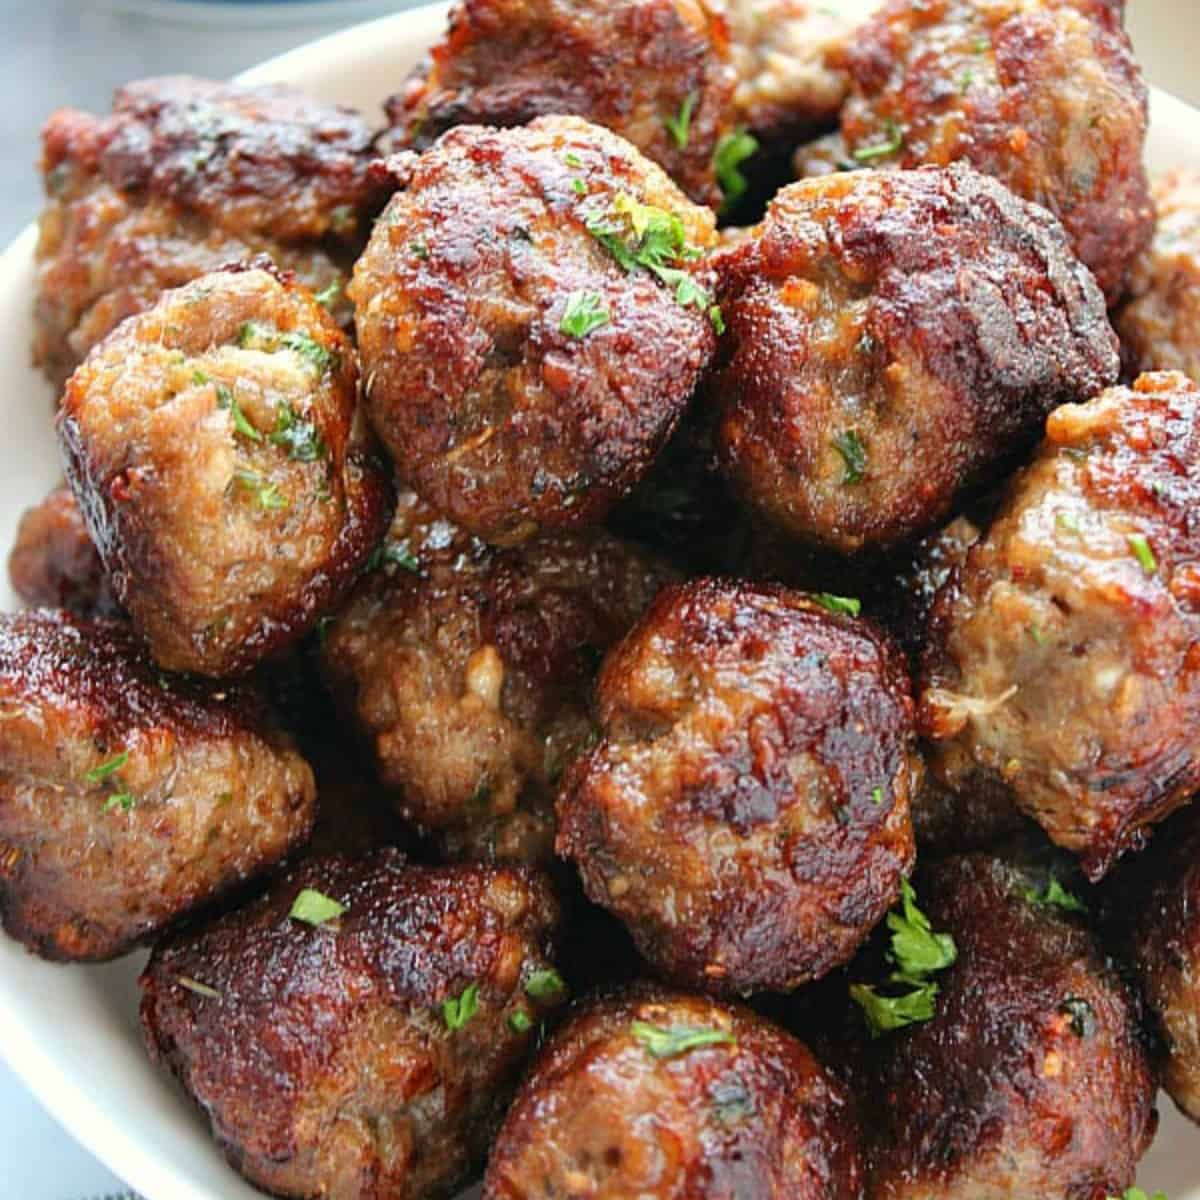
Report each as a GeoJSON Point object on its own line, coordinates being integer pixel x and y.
{"type": "Point", "coordinates": [71, 1033]}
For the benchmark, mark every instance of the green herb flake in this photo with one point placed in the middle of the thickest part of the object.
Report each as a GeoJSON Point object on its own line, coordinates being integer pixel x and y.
{"type": "Point", "coordinates": [895, 140]}
{"type": "Point", "coordinates": [585, 312]}
{"type": "Point", "coordinates": [327, 297]}
{"type": "Point", "coordinates": [315, 908]}
{"type": "Point", "coordinates": [122, 800]}
{"type": "Point", "coordinates": [457, 1011]}
{"type": "Point", "coordinates": [679, 126]}
{"type": "Point", "coordinates": [1038, 636]}
{"type": "Point", "coordinates": [887, 1013]}
{"type": "Point", "coordinates": [419, 249]}
{"type": "Point", "coordinates": [1082, 1017]}
{"type": "Point", "coordinates": [579, 187]}
{"type": "Point", "coordinates": [199, 378]}
{"type": "Point", "coordinates": [674, 1040]}
{"type": "Point", "coordinates": [1068, 521]}
{"type": "Point", "coordinates": [854, 454]}
{"type": "Point", "coordinates": [733, 150]}
{"type": "Point", "coordinates": [845, 605]}
{"type": "Point", "coordinates": [572, 159]}
{"type": "Point", "coordinates": [717, 318]}
{"type": "Point", "coordinates": [304, 344]}
{"type": "Point", "coordinates": [520, 1021]}
{"type": "Point", "coordinates": [227, 400]}
{"type": "Point", "coordinates": [1143, 553]}
{"type": "Point", "coordinates": [299, 437]}
{"type": "Point", "coordinates": [194, 985]}
{"type": "Point", "coordinates": [877, 796]}
{"type": "Point", "coordinates": [1136, 1193]}
{"type": "Point", "coordinates": [266, 495]}
{"type": "Point", "coordinates": [105, 769]}
{"type": "Point", "coordinates": [250, 334]}
{"type": "Point", "coordinates": [1054, 895]}
{"type": "Point", "coordinates": [981, 45]}
{"type": "Point", "coordinates": [545, 984]}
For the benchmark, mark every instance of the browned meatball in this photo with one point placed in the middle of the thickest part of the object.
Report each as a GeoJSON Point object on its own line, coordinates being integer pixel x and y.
{"type": "Point", "coordinates": [225, 469]}
{"type": "Point", "coordinates": [185, 176]}
{"type": "Point", "coordinates": [657, 72]}
{"type": "Point", "coordinates": [357, 1032]}
{"type": "Point", "coordinates": [677, 1097]}
{"type": "Point", "coordinates": [1044, 95]}
{"type": "Point", "coordinates": [469, 673]}
{"type": "Point", "coordinates": [1158, 902]}
{"type": "Point", "coordinates": [128, 797]}
{"type": "Point", "coordinates": [54, 562]}
{"type": "Point", "coordinates": [523, 362]}
{"type": "Point", "coordinates": [893, 337]}
{"type": "Point", "coordinates": [746, 812]}
{"type": "Point", "coordinates": [1160, 324]}
{"type": "Point", "coordinates": [1030, 1079]}
{"type": "Point", "coordinates": [1064, 656]}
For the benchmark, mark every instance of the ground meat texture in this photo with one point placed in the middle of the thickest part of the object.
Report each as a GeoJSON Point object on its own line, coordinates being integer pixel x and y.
{"type": "Point", "coordinates": [746, 811]}
{"type": "Point", "coordinates": [369, 1057]}
{"type": "Point", "coordinates": [1160, 323]}
{"type": "Point", "coordinates": [893, 338]}
{"type": "Point", "coordinates": [1064, 656]}
{"type": "Point", "coordinates": [469, 674]}
{"type": "Point", "coordinates": [1158, 907]}
{"type": "Point", "coordinates": [656, 72]}
{"type": "Point", "coordinates": [128, 797]}
{"type": "Point", "coordinates": [786, 86]}
{"type": "Point", "coordinates": [522, 378]}
{"type": "Point", "coordinates": [1044, 95]}
{"type": "Point", "coordinates": [185, 176]}
{"type": "Point", "coordinates": [54, 563]}
{"type": "Point", "coordinates": [654, 1093]}
{"type": "Point", "coordinates": [225, 469]}
{"type": "Point", "coordinates": [1031, 1078]}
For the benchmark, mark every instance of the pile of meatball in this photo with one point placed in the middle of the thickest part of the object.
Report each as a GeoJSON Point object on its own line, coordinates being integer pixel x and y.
{"type": "Point", "coordinates": [634, 626]}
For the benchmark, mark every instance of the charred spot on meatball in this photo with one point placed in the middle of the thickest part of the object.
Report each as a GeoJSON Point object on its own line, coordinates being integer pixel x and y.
{"type": "Point", "coordinates": [656, 1093]}
{"type": "Point", "coordinates": [746, 810]}
{"type": "Point", "coordinates": [217, 448]}
{"type": "Point", "coordinates": [128, 797]}
{"type": "Point", "coordinates": [894, 338]}
{"type": "Point", "coordinates": [468, 671]}
{"type": "Point", "coordinates": [533, 313]}
{"type": "Point", "coordinates": [357, 1031]}
{"type": "Point", "coordinates": [185, 176]}
{"type": "Point", "coordinates": [1031, 1077]}
{"type": "Point", "coordinates": [1045, 96]}
{"type": "Point", "coordinates": [54, 562]}
{"type": "Point", "coordinates": [1159, 324]}
{"type": "Point", "coordinates": [656, 72]}
{"type": "Point", "coordinates": [1063, 659]}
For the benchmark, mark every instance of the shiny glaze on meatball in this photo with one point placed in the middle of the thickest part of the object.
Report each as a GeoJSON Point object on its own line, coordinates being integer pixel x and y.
{"type": "Point", "coordinates": [893, 338]}
{"type": "Point", "coordinates": [1063, 656]}
{"type": "Point", "coordinates": [368, 1056]}
{"type": "Point", "coordinates": [129, 797]}
{"type": "Point", "coordinates": [225, 469]}
{"type": "Point", "coordinates": [746, 811]}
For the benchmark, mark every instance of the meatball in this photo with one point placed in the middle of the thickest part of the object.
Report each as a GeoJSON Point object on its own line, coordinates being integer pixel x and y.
{"type": "Point", "coordinates": [185, 176]}
{"type": "Point", "coordinates": [654, 1093]}
{"type": "Point", "coordinates": [1159, 907]}
{"type": "Point", "coordinates": [54, 562]}
{"type": "Point", "coordinates": [656, 72]}
{"type": "Point", "coordinates": [357, 1031]}
{"type": "Point", "coordinates": [128, 797]}
{"type": "Point", "coordinates": [746, 811]}
{"type": "Point", "coordinates": [1160, 324]}
{"type": "Point", "coordinates": [532, 323]}
{"type": "Point", "coordinates": [1030, 1079]}
{"type": "Point", "coordinates": [1064, 657]}
{"type": "Point", "coordinates": [1044, 95]}
{"type": "Point", "coordinates": [225, 469]}
{"type": "Point", "coordinates": [893, 338]}
{"type": "Point", "coordinates": [786, 85]}
{"type": "Point", "coordinates": [469, 671]}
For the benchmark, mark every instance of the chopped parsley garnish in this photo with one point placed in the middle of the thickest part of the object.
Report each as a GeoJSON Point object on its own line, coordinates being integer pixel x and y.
{"type": "Point", "coordinates": [105, 769]}
{"type": "Point", "coordinates": [520, 1021]}
{"type": "Point", "coordinates": [1136, 1193]}
{"type": "Point", "coordinates": [299, 437]}
{"type": "Point", "coordinates": [194, 985]}
{"type": "Point", "coordinates": [253, 336]}
{"type": "Point", "coordinates": [227, 400]}
{"type": "Point", "coordinates": [917, 952]}
{"type": "Point", "coordinates": [854, 454]}
{"type": "Point", "coordinates": [895, 139]}
{"type": "Point", "coordinates": [678, 1039]}
{"type": "Point", "coordinates": [846, 605]}
{"type": "Point", "coordinates": [543, 985]}
{"type": "Point", "coordinates": [1054, 896]}
{"type": "Point", "coordinates": [457, 1011]}
{"type": "Point", "coordinates": [679, 126]}
{"type": "Point", "coordinates": [393, 554]}
{"type": "Point", "coordinates": [981, 45]}
{"type": "Point", "coordinates": [733, 150]}
{"type": "Point", "coordinates": [1142, 552]}
{"type": "Point", "coordinates": [585, 312]}
{"type": "Point", "coordinates": [1067, 521]}
{"type": "Point", "coordinates": [121, 800]}
{"type": "Point", "coordinates": [199, 378]}
{"type": "Point", "coordinates": [572, 159]}
{"type": "Point", "coordinates": [1082, 1018]}
{"type": "Point", "coordinates": [579, 187]}
{"type": "Point", "coordinates": [327, 297]}
{"type": "Point", "coordinates": [315, 908]}
{"type": "Point", "coordinates": [877, 796]}
{"type": "Point", "coordinates": [419, 249]}
{"type": "Point", "coordinates": [266, 495]}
